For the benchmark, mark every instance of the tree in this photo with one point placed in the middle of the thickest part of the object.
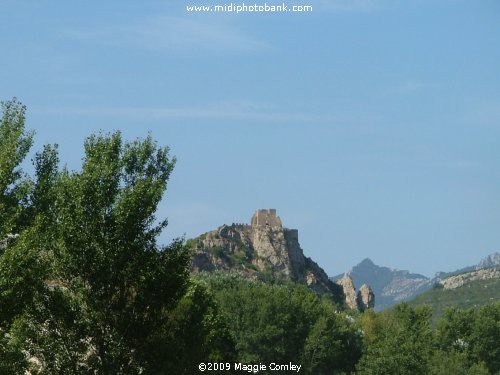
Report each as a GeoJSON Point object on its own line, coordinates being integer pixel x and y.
{"type": "Point", "coordinates": [333, 345]}
{"type": "Point", "coordinates": [15, 144]}
{"type": "Point", "coordinates": [485, 337]}
{"type": "Point", "coordinates": [404, 347]}
{"type": "Point", "coordinates": [200, 332]}
{"type": "Point", "coordinates": [284, 323]}
{"type": "Point", "coordinates": [85, 287]}
{"type": "Point", "coordinates": [473, 332]}
{"type": "Point", "coordinates": [454, 363]}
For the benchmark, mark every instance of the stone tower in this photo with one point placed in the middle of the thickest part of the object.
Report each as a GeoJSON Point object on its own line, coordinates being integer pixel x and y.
{"type": "Point", "coordinates": [266, 218]}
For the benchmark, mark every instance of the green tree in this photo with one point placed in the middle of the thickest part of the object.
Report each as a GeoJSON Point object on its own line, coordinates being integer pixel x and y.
{"type": "Point", "coordinates": [405, 345]}
{"type": "Point", "coordinates": [15, 143]}
{"type": "Point", "coordinates": [199, 331]}
{"type": "Point", "coordinates": [333, 345]}
{"type": "Point", "coordinates": [485, 337]}
{"type": "Point", "coordinates": [454, 363]}
{"type": "Point", "coordinates": [85, 288]}
{"type": "Point", "coordinates": [474, 332]}
{"type": "Point", "coordinates": [284, 323]}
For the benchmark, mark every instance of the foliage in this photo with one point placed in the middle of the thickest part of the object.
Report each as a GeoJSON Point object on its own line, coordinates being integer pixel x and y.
{"type": "Point", "coordinates": [401, 341]}
{"type": "Point", "coordinates": [476, 333]}
{"type": "Point", "coordinates": [288, 323]}
{"type": "Point", "coordinates": [15, 143]}
{"type": "Point", "coordinates": [454, 363]}
{"type": "Point", "coordinates": [474, 293]}
{"type": "Point", "coordinates": [403, 347]}
{"type": "Point", "coordinates": [85, 287]}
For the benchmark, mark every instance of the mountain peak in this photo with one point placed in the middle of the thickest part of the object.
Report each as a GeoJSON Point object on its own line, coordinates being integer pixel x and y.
{"type": "Point", "coordinates": [492, 260]}
{"type": "Point", "coordinates": [366, 262]}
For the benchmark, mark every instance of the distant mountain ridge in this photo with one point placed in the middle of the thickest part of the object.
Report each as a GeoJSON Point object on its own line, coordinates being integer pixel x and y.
{"type": "Point", "coordinates": [389, 285]}
{"type": "Point", "coordinates": [392, 286]}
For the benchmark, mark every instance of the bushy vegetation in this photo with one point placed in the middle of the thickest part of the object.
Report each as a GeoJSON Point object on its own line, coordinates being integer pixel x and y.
{"type": "Point", "coordinates": [286, 323]}
{"type": "Point", "coordinates": [474, 293]}
{"type": "Point", "coordinates": [86, 288]}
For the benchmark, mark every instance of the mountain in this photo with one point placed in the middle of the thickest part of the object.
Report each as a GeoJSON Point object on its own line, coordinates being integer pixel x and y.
{"type": "Point", "coordinates": [264, 250]}
{"type": "Point", "coordinates": [492, 260]}
{"type": "Point", "coordinates": [392, 286]}
{"type": "Point", "coordinates": [389, 285]}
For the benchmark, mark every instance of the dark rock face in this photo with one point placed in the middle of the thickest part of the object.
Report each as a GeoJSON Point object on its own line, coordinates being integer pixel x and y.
{"type": "Point", "coordinates": [264, 247]}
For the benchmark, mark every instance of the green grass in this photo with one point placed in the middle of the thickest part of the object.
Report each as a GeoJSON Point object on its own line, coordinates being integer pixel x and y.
{"type": "Point", "coordinates": [473, 294]}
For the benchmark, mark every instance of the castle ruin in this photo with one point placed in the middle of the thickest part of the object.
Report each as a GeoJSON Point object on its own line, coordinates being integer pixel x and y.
{"type": "Point", "coordinates": [266, 218]}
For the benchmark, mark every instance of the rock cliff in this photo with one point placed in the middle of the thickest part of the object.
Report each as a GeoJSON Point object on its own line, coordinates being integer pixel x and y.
{"type": "Point", "coordinates": [456, 281]}
{"type": "Point", "coordinates": [263, 249]}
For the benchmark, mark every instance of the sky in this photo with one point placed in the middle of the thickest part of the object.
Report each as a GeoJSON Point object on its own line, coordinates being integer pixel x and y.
{"type": "Point", "coordinates": [372, 126]}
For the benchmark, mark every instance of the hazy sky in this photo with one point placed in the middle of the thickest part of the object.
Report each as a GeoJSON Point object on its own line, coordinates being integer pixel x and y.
{"type": "Point", "coordinates": [373, 127]}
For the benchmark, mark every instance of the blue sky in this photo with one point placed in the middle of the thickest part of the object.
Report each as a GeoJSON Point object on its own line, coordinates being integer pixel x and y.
{"type": "Point", "coordinates": [371, 126]}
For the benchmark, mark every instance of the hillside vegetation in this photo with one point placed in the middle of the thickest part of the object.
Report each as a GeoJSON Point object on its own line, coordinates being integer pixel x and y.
{"type": "Point", "coordinates": [473, 294]}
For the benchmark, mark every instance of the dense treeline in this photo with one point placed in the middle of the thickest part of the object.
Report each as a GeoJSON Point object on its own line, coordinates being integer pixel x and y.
{"type": "Point", "coordinates": [285, 323]}
{"type": "Point", "coordinates": [86, 288]}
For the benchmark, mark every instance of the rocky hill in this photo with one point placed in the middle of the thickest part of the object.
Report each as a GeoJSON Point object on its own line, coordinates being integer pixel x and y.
{"type": "Point", "coordinates": [263, 249]}
{"type": "Point", "coordinates": [389, 285]}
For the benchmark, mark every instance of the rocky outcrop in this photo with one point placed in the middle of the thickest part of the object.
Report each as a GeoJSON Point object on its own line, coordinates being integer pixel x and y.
{"type": "Point", "coordinates": [492, 260]}
{"type": "Point", "coordinates": [349, 291]}
{"type": "Point", "coordinates": [392, 286]}
{"type": "Point", "coordinates": [262, 249]}
{"type": "Point", "coordinates": [456, 281]}
{"type": "Point", "coordinates": [365, 298]}
{"type": "Point", "coordinates": [362, 300]}
{"type": "Point", "coordinates": [389, 285]}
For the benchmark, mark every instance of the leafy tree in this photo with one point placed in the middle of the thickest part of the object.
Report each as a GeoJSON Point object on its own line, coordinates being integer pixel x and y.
{"type": "Point", "coordinates": [199, 331]}
{"type": "Point", "coordinates": [286, 322]}
{"type": "Point", "coordinates": [405, 345]}
{"type": "Point", "coordinates": [85, 287]}
{"type": "Point", "coordinates": [333, 345]}
{"type": "Point", "coordinates": [15, 143]}
{"type": "Point", "coordinates": [485, 337]}
{"type": "Point", "coordinates": [474, 332]}
{"type": "Point", "coordinates": [454, 363]}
